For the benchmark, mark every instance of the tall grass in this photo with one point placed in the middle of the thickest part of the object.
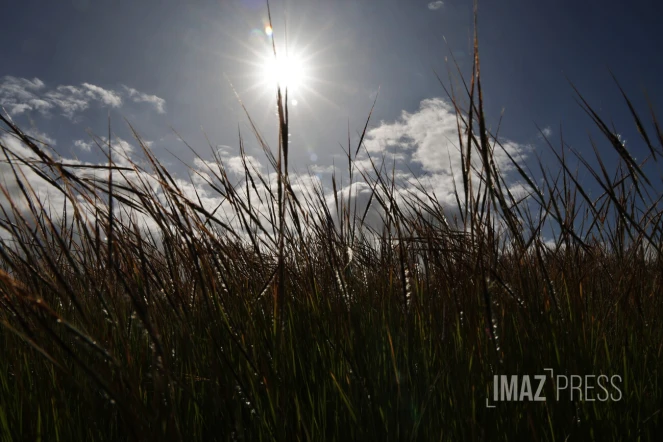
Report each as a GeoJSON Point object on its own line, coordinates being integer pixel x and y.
{"type": "Point", "coordinates": [288, 318]}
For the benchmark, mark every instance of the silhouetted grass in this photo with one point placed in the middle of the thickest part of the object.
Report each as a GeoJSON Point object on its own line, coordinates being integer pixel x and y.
{"type": "Point", "coordinates": [278, 318]}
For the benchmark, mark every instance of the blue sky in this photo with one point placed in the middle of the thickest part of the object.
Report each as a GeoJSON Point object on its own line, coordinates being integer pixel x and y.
{"type": "Point", "coordinates": [162, 63]}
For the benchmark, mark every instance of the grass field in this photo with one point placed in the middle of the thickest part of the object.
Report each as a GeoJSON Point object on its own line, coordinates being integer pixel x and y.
{"type": "Point", "coordinates": [287, 316]}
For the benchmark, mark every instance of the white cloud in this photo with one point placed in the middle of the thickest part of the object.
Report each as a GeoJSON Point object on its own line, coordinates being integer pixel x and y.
{"type": "Point", "coordinates": [234, 164]}
{"type": "Point", "coordinates": [141, 97]}
{"type": "Point", "coordinates": [122, 151]}
{"type": "Point", "coordinates": [546, 132]}
{"type": "Point", "coordinates": [69, 99]}
{"type": "Point", "coordinates": [44, 190]}
{"type": "Point", "coordinates": [22, 88]}
{"type": "Point", "coordinates": [18, 109]}
{"type": "Point", "coordinates": [40, 105]}
{"type": "Point", "coordinates": [433, 6]}
{"type": "Point", "coordinates": [21, 95]}
{"type": "Point", "coordinates": [107, 97]}
{"type": "Point", "coordinates": [83, 145]}
{"type": "Point", "coordinates": [430, 134]}
{"type": "Point", "coordinates": [315, 168]}
{"type": "Point", "coordinates": [41, 137]}
{"type": "Point", "coordinates": [428, 138]}
{"type": "Point", "coordinates": [121, 148]}
{"type": "Point", "coordinates": [55, 201]}
{"type": "Point", "coordinates": [425, 139]}
{"type": "Point", "coordinates": [17, 94]}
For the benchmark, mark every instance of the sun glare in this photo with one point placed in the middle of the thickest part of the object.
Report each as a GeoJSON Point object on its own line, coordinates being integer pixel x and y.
{"type": "Point", "coordinates": [286, 72]}
{"type": "Point", "coordinates": [294, 67]}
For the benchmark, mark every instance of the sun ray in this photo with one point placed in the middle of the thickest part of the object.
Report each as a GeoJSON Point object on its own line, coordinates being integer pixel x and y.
{"type": "Point", "coordinates": [285, 71]}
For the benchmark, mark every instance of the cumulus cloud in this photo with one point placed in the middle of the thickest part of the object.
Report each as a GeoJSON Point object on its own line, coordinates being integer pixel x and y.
{"type": "Point", "coordinates": [429, 136]}
{"type": "Point", "coordinates": [41, 137]}
{"type": "Point", "coordinates": [18, 109]}
{"type": "Point", "coordinates": [21, 95]}
{"type": "Point", "coordinates": [546, 132]}
{"type": "Point", "coordinates": [55, 201]}
{"type": "Point", "coordinates": [83, 145]}
{"type": "Point", "coordinates": [235, 165]}
{"type": "Point", "coordinates": [428, 139]}
{"type": "Point", "coordinates": [44, 191]}
{"type": "Point", "coordinates": [69, 99]}
{"type": "Point", "coordinates": [122, 150]}
{"type": "Point", "coordinates": [107, 97]}
{"type": "Point", "coordinates": [141, 97]}
{"type": "Point", "coordinates": [425, 140]}
{"type": "Point", "coordinates": [316, 168]}
{"type": "Point", "coordinates": [433, 6]}
{"type": "Point", "coordinates": [196, 189]}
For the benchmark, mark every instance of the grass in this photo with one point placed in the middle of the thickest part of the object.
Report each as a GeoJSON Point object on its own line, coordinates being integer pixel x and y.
{"type": "Point", "coordinates": [283, 318]}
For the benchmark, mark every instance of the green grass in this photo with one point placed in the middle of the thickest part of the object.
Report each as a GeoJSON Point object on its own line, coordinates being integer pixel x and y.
{"type": "Point", "coordinates": [257, 324]}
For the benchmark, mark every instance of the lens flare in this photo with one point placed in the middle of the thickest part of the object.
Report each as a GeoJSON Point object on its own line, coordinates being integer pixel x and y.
{"type": "Point", "coordinates": [286, 72]}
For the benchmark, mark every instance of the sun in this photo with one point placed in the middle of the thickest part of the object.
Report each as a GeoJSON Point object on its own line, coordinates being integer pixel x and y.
{"type": "Point", "coordinates": [285, 71]}
{"type": "Point", "coordinates": [292, 64]}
